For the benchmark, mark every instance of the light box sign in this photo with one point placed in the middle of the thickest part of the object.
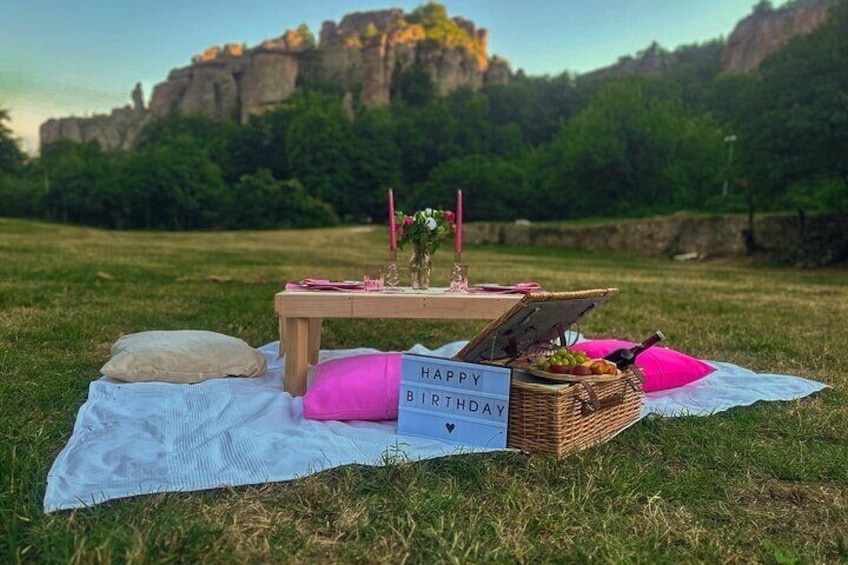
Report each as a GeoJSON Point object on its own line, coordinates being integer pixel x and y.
{"type": "Point", "coordinates": [453, 401]}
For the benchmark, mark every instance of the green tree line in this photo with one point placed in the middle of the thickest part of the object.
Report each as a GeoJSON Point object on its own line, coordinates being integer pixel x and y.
{"type": "Point", "coordinates": [544, 148]}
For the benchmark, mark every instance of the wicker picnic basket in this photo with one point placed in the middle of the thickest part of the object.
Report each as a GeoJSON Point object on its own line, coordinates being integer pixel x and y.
{"type": "Point", "coordinates": [559, 419]}
{"type": "Point", "coordinates": [551, 417]}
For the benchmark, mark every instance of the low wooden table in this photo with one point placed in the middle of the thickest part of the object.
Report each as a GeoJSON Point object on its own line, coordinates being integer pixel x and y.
{"type": "Point", "coordinates": [302, 312]}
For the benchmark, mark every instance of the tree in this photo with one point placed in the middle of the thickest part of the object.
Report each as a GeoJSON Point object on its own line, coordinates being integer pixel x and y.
{"type": "Point", "coordinates": [19, 195]}
{"type": "Point", "coordinates": [726, 96]}
{"type": "Point", "coordinates": [174, 186]}
{"type": "Point", "coordinates": [264, 202]}
{"type": "Point", "coordinates": [438, 27]}
{"type": "Point", "coordinates": [319, 146]}
{"type": "Point", "coordinates": [694, 69]}
{"type": "Point", "coordinates": [633, 150]}
{"type": "Point", "coordinates": [537, 106]}
{"type": "Point", "coordinates": [81, 184]}
{"type": "Point", "coordinates": [261, 143]}
{"type": "Point", "coordinates": [494, 188]}
{"type": "Point", "coordinates": [11, 156]}
{"type": "Point", "coordinates": [426, 136]}
{"type": "Point", "coordinates": [306, 35]}
{"type": "Point", "coordinates": [376, 161]}
{"type": "Point", "coordinates": [412, 86]}
{"type": "Point", "coordinates": [796, 118]}
{"type": "Point", "coordinates": [213, 136]}
{"type": "Point", "coordinates": [476, 132]}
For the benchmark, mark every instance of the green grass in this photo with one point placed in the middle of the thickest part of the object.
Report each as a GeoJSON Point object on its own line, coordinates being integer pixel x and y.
{"type": "Point", "coordinates": [765, 483]}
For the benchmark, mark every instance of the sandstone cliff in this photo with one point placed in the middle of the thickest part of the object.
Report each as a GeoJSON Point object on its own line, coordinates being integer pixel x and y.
{"type": "Point", "coordinates": [651, 62]}
{"type": "Point", "coordinates": [754, 38]}
{"type": "Point", "coordinates": [118, 129]}
{"type": "Point", "coordinates": [764, 31]}
{"type": "Point", "coordinates": [362, 54]}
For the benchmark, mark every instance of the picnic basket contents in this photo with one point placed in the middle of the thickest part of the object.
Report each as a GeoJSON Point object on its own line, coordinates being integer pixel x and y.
{"type": "Point", "coordinates": [569, 408]}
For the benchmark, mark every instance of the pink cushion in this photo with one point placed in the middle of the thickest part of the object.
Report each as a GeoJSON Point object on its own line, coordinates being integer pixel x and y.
{"type": "Point", "coordinates": [663, 367]}
{"type": "Point", "coordinates": [362, 387]}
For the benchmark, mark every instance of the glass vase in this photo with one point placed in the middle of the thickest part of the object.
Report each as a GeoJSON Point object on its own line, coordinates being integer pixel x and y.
{"type": "Point", "coordinates": [420, 267]}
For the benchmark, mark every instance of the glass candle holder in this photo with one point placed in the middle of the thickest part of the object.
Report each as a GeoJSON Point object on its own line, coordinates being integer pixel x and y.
{"type": "Point", "coordinates": [374, 278]}
{"type": "Point", "coordinates": [459, 277]}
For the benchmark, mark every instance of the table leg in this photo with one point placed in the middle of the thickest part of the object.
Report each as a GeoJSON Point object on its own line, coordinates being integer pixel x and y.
{"type": "Point", "coordinates": [314, 339]}
{"type": "Point", "coordinates": [281, 348]}
{"type": "Point", "coordinates": [297, 355]}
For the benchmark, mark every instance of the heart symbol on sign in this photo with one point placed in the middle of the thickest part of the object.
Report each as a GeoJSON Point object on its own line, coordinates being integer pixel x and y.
{"type": "Point", "coordinates": [450, 427]}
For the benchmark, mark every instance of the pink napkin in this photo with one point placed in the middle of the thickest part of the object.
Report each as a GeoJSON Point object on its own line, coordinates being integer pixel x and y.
{"type": "Point", "coordinates": [526, 286]}
{"type": "Point", "coordinates": [517, 288]}
{"type": "Point", "coordinates": [324, 284]}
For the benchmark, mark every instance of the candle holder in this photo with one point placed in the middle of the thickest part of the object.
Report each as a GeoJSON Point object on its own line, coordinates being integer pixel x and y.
{"type": "Point", "coordinates": [459, 274]}
{"type": "Point", "coordinates": [392, 278]}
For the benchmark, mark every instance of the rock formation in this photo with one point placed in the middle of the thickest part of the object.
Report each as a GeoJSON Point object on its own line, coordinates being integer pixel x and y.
{"type": "Point", "coordinates": [753, 39]}
{"type": "Point", "coordinates": [117, 130]}
{"type": "Point", "coordinates": [362, 54]}
{"type": "Point", "coordinates": [652, 61]}
{"type": "Point", "coordinates": [764, 31]}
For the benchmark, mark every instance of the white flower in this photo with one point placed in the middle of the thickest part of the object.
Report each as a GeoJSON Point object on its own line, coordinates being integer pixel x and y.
{"type": "Point", "coordinates": [430, 222]}
{"type": "Point", "coordinates": [428, 212]}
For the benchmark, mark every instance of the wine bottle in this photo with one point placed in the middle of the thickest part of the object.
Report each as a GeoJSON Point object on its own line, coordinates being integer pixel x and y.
{"type": "Point", "coordinates": [626, 356]}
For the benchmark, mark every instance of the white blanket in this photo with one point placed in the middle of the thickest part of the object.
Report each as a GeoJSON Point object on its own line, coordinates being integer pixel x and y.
{"type": "Point", "coordinates": [143, 438]}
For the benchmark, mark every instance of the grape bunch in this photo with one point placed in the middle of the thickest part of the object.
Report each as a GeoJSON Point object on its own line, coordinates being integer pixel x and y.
{"type": "Point", "coordinates": [566, 361]}
{"type": "Point", "coordinates": [562, 361]}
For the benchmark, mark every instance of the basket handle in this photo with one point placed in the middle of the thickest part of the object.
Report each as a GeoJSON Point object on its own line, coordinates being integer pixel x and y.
{"type": "Point", "coordinates": [596, 404]}
{"type": "Point", "coordinates": [639, 376]}
{"type": "Point", "coordinates": [637, 372]}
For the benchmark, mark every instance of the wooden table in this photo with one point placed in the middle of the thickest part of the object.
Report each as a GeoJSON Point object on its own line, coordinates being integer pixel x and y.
{"type": "Point", "coordinates": [302, 312]}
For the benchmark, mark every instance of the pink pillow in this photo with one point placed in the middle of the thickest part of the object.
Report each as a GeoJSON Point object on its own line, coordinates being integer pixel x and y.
{"type": "Point", "coordinates": [663, 367]}
{"type": "Point", "coordinates": [362, 387]}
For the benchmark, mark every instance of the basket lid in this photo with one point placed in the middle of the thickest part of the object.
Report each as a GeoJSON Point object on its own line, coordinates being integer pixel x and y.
{"type": "Point", "coordinates": [538, 317]}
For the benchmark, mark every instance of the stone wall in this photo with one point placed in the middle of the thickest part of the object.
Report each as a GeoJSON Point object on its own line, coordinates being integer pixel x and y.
{"type": "Point", "coordinates": [809, 242]}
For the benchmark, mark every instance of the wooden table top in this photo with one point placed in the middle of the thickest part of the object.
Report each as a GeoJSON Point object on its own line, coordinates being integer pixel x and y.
{"type": "Point", "coordinates": [434, 303]}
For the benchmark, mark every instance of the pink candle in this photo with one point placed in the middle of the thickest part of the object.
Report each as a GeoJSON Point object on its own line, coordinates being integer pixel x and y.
{"type": "Point", "coordinates": [392, 226]}
{"type": "Point", "coordinates": [457, 242]}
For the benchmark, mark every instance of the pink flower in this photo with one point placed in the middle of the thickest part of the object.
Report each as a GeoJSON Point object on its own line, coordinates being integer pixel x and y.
{"type": "Point", "coordinates": [450, 216]}
{"type": "Point", "coordinates": [407, 221]}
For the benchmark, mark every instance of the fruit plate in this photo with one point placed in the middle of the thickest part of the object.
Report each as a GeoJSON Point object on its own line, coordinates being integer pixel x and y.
{"type": "Point", "coordinates": [569, 378]}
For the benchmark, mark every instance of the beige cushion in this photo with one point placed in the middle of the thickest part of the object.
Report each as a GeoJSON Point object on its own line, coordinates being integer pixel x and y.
{"type": "Point", "coordinates": [182, 356]}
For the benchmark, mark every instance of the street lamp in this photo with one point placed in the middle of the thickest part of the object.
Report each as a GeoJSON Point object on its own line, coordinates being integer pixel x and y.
{"type": "Point", "coordinates": [729, 140]}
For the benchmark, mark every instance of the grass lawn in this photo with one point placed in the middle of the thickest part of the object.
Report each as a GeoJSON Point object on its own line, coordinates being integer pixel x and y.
{"type": "Point", "coordinates": [765, 483]}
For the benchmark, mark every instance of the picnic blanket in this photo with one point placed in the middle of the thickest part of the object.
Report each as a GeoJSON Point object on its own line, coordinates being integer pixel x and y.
{"type": "Point", "coordinates": [141, 438]}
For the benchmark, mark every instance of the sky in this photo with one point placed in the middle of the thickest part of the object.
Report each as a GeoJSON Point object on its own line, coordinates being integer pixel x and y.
{"type": "Point", "coordinates": [62, 58]}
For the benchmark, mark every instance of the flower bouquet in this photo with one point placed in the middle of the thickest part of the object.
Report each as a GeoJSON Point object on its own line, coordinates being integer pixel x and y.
{"type": "Point", "coordinates": [425, 230]}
